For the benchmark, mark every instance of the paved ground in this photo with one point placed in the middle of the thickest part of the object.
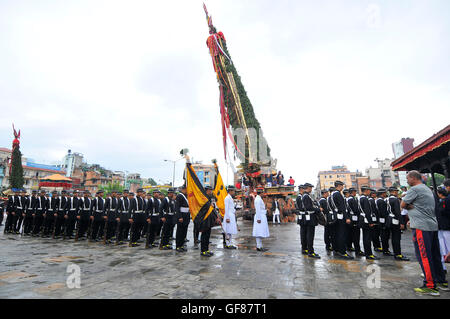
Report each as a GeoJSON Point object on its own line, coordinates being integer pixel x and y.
{"type": "Point", "coordinates": [37, 268]}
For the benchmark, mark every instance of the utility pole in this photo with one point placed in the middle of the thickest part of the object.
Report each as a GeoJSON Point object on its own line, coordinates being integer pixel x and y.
{"type": "Point", "coordinates": [173, 174]}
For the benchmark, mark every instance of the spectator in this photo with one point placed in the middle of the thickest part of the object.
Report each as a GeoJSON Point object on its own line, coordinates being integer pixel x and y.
{"type": "Point", "coordinates": [291, 181]}
{"type": "Point", "coordinates": [404, 210]}
{"type": "Point", "coordinates": [447, 186]}
{"type": "Point", "coordinates": [280, 178]}
{"type": "Point", "coordinates": [443, 218]}
{"type": "Point", "coordinates": [274, 182]}
{"type": "Point", "coordinates": [419, 202]}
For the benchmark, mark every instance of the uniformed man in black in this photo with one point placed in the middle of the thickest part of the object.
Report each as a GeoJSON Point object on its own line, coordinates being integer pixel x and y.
{"type": "Point", "coordinates": [60, 214]}
{"type": "Point", "coordinates": [311, 219]}
{"type": "Point", "coordinates": [301, 219]}
{"type": "Point", "coordinates": [73, 205]}
{"type": "Point", "coordinates": [111, 206]}
{"type": "Point", "coordinates": [183, 217]}
{"type": "Point", "coordinates": [124, 212]}
{"type": "Point", "coordinates": [97, 215]}
{"type": "Point", "coordinates": [396, 223]}
{"type": "Point", "coordinates": [367, 217]}
{"type": "Point", "coordinates": [148, 206]}
{"type": "Point", "coordinates": [52, 209]}
{"type": "Point", "coordinates": [383, 217]}
{"type": "Point", "coordinates": [11, 213]}
{"type": "Point", "coordinates": [161, 223]}
{"type": "Point", "coordinates": [80, 210]}
{"type": "Point", "coordinates": [206, 230]}
{"type": "Point", "coordinates": [354, 230]}
{"type": "Point", "coordinates": [137, 217]}
{"type": "Point", "coordinates": [348, 245]}
{"type": "Point", "coordinates": [41, 206]}
{"type": "Point", "coordinates": [126, 203]}
{"type": "Point", "coordinates": [153, 219]}
{"type": "Point", "coordinates": [376, 228]}
{"type": "Point", "coordinates": [117, 218]}
{"type": "Point", "coordinates": [168, 218]}
{"type": "Point", "coordinates": [20, 211]}
{"type": "Point", "coordinates": [329, 228]}
{"type": "Point", "coordinates": [342, 220]}
{"type": "Point", "coordinates": [31, 203]}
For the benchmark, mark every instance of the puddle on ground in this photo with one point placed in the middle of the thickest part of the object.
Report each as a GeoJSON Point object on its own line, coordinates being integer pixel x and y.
{"type": "Point", "coordinates": [13, 276]}
{"type": "Point", "coordinates": [352, 266]}
{"type": "Point", "coordinates": [50, 288]}
{"type": "Point", "coordinates": [60, 259]}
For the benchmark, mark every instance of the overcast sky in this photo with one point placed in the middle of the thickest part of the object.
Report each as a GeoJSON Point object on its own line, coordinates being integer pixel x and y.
{"type": "Point", "coordinates": [131, 83]}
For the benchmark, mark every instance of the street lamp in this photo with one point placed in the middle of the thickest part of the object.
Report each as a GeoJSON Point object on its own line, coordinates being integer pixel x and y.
{"type": "Point", "coordinates": [173, 176]}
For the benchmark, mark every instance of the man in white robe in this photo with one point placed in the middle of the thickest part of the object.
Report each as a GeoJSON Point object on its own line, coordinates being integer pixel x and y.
{"type": "Point", "coordinates": [229, 224]}
{"type": "Point", "coordinates": [260, 226]}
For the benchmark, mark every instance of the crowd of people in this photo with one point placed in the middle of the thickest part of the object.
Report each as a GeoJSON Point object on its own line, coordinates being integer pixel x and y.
{"type": "Point", "coordinates": [120, 217]}
{"type": "Point", "coordinates": [375, 217]}
{"type": "Point", "coordinates": [381, 216]}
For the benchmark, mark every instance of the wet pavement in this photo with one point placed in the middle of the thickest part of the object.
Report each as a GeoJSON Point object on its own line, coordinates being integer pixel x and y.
{"type": "Point", "coordinates": [42, 268]}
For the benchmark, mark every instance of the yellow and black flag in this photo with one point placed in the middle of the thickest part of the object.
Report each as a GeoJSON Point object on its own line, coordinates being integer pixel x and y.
{"type": "Point", "coordinates": [199, 203]}
{"type": "Point", "coordinates": [219, 191]}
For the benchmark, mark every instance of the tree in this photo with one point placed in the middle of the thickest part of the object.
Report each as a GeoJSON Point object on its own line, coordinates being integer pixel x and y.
{"type": "Point", "coordinates": [152, 182]}
{"type": "Point", "coordinates": [116, 186]}
{"type": "Point", "coordinates": [438, 177]}
{"type": "Point", "coordinates": [16, 177]}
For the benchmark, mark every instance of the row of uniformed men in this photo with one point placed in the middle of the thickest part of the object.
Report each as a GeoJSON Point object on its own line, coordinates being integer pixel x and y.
{"type": "Point", "coordinates": [118, 217]}
{"type": "Point", "coordinates": [344, 214]}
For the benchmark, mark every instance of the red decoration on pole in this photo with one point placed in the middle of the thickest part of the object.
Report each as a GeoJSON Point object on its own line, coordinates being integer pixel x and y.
{"type": "Point", "coordinates": [16, 144]}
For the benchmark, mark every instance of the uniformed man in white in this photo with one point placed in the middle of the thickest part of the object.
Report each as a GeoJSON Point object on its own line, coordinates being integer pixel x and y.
{"type": "Point", "coordinates": [229, 224]}
{"type": "Point", "coordinates": [260, 226]}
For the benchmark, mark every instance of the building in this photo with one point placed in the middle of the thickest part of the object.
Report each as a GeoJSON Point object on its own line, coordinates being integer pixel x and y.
{"type": "Point", "coordinates": [400, 148]}
{"type": "Point", "coordinates": [337, 173]}
{"type": "Point", "coordinates": [5, 155]}
{"type": "Point", "coordinates": [94, 180]}
{"type": "Point", "coordinates": [383, 175]}
{"type": "Point", "coordinates": [34, 172]}
{"type": "Point", "coordinates": [71, 161]}
{"type": "Point", "coordinates": [133, 181]}
{"type": "Point", "coordinates": [431, 156]}
{"type": "Point", "coordinates": [361, 181]}
{"type": "Point", "coordinates": [205, 173]}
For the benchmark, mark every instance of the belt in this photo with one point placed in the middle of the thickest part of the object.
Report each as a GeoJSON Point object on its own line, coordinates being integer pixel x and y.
{"type": "Point", "coordinates": [155, 214]}
{"type": "Point", "coordinates": [138, 211]}
{"type": "Point", "coordinates": [171, 214]}
{"type": "Point", "coordinates": [184, 209]}
{"type": "Point", "coordinates": [99, 211]}
{"type": "Point", "coordinates": [50, 210]}
{"type": "Point", "coordinates": [311, 212]}
{"type": "Point", "coordinates": [72, 210]}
